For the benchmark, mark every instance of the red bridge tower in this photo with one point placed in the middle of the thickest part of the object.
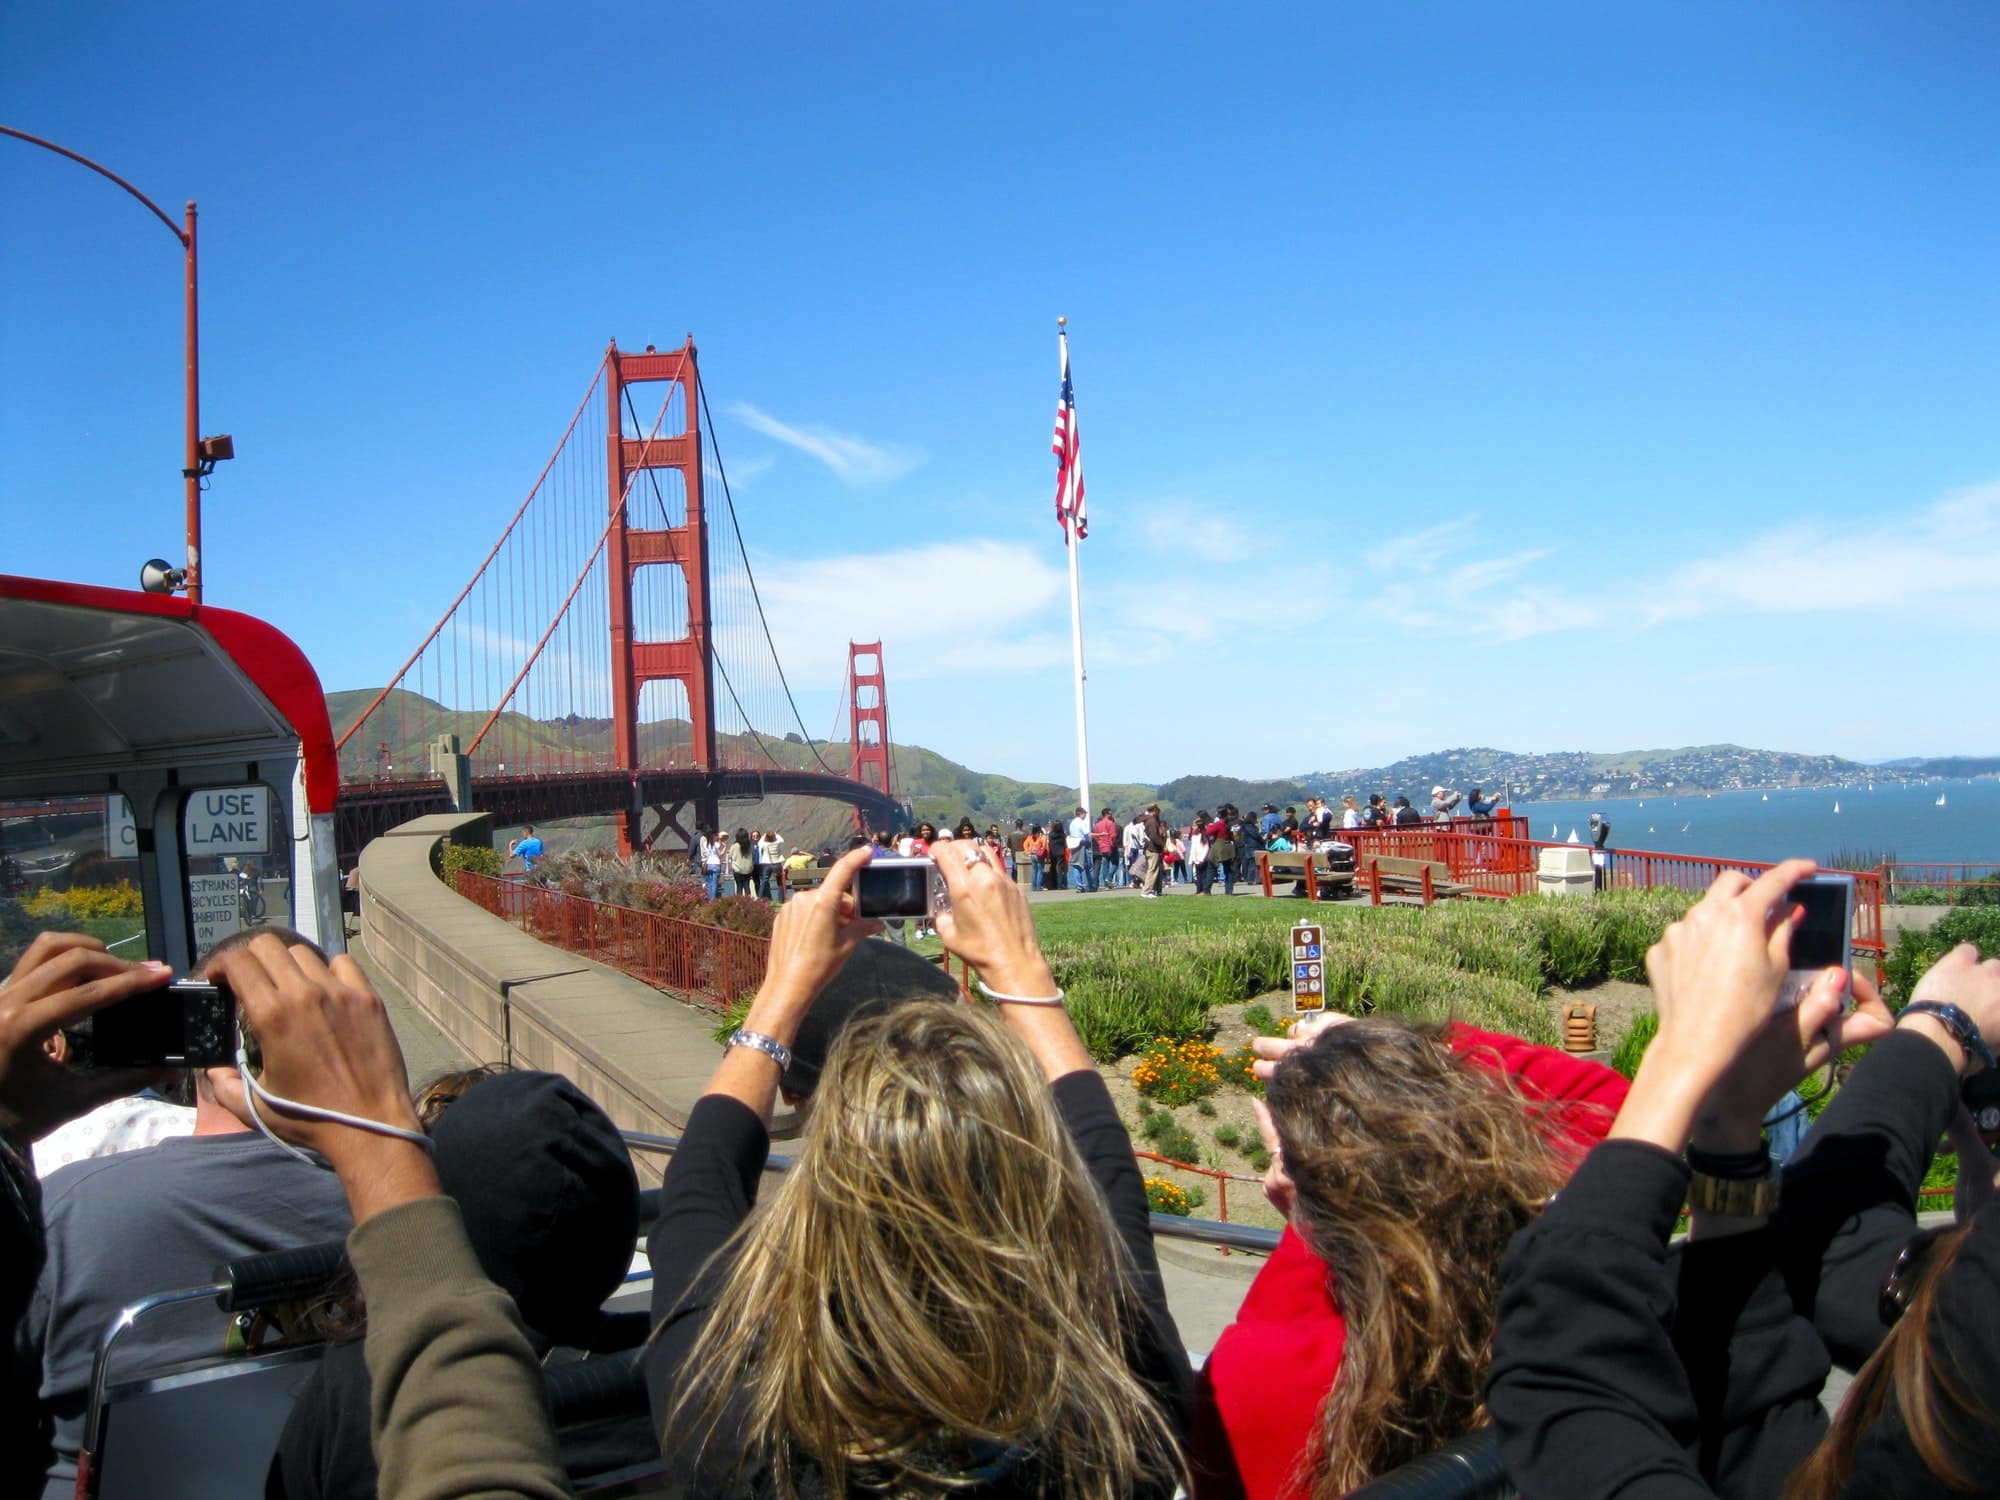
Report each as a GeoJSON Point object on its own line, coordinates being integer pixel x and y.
{"type": "Point", "coordinates": [867, 710]}
{"type": "Point", "coordinates": [687, 658]}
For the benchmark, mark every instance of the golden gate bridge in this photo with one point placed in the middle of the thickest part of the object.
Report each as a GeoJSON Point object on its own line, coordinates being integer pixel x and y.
{"type": "Point", "coordinates": [611, 654]}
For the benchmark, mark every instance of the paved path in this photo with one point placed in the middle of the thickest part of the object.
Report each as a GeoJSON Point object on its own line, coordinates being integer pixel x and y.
{"type": "Point", "coordinates": [427, 1052]}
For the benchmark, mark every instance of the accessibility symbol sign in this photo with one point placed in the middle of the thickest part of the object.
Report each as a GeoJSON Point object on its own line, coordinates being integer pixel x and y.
{"type": "Point", "coordinates": [1308, 969]}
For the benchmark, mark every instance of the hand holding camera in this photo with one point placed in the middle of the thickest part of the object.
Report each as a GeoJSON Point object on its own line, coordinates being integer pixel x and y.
{"type": "Point", "coordinates": [987, 923]}
{"type": "Point", "coordinates": [815, 933]}
{"type": "Point", "coordinates": [62, 978]}
{"type": "Point", "coordinates": [327, 1045]}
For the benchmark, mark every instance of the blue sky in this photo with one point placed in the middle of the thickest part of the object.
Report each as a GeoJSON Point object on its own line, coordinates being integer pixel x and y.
{"type": "Point", "coordinates": [1541, 376]}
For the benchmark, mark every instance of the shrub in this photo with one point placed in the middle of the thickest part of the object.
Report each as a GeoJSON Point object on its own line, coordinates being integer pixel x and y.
{"type": "Point", "coordinates": [1915, 951]}
{"type": "Point", "coordinates": [1228, 1135]}
{"type": "Point", "coordinates": [477, 858]}
{"type": "Point", "coordinates": [1237, 1070]}
{"type": "Point", "coordinates": [17, 930]}
{"type": "Point", "coordinates": [679, 899]}
{"type": "Point", "coordinates": [1205, 1107]}
{"type": "Point", "coordinates": [740, 914]}
{"type": "Point", "coordinates": [1177, 1072]}
{"type": "Point", "coordinates": [1633, 921]}
{"type": "Point", "coordinates": [1177, 1144]}
{"type": "Point", "coordinates": [1632, 1046]}
{"type": "Point", "coordinates": [1575, 943]}
{"type": "Point", "coordinates": [1258, 1157]}
{"type": "Point", "coordinates": [1164, 1197]}
{"type": "Point", "coordinates": [1260, 1019]}
{"type": "Point", "coordinates": [49, 908]}
{"type": "Point", "coordinates": [1151, 1124]}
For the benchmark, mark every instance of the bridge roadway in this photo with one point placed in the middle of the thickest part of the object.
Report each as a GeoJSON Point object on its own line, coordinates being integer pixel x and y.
{"type": "Point", "coordinates": [369, 809]}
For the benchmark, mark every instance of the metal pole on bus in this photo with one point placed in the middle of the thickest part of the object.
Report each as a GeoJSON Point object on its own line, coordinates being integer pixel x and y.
{"type": "Point", "coordinates": [192, 459]}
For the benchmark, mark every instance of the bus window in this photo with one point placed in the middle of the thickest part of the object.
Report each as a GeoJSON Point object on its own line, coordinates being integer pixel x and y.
{"type": "Point", "coordinates": [238, 856]}
{"type": "Point", "coordinates": [70, 864]}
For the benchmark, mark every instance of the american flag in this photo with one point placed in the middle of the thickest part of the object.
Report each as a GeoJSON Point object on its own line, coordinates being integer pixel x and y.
{"type": "Point", "coordinates": [1069, 458]}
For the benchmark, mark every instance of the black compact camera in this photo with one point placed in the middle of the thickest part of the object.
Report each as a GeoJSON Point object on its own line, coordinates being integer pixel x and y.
{"type": "Point", "coordinates": [189, 1024]}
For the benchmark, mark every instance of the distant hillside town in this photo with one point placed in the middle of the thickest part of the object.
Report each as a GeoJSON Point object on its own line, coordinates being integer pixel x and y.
{"type": "Point", "coordinates": [1571, 775]}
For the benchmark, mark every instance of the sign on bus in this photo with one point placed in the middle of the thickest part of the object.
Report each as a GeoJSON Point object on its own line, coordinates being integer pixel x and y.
{"type": "Point", "coordinates": [228, 820]}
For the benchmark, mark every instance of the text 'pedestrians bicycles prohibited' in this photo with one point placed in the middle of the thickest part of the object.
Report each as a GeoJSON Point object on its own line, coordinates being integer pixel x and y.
{"type": "Point", "coordinates": [1308, 971]}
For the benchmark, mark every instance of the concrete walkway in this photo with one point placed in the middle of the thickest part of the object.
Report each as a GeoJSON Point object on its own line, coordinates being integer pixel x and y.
{"type": "Point", "coordinates": [427, 1051]}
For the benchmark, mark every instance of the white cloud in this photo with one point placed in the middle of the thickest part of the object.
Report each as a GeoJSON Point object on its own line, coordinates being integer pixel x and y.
{"type": "Point", "coordinates": [1943, 559]}
{"type": "Point", "coordinates": [953, 610]}
{"type": "Point", "coordinates": [1185, 528]}
{"type": "Point", "coordinates": [853, 460]}
{"type": "Point", "coordinates": [1419, 549]}
{"type": "Point", "coordinates": [745, 471]}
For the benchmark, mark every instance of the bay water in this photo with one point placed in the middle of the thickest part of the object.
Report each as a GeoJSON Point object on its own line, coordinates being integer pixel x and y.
{"type": "Point", "coordinates": [1904, 820]}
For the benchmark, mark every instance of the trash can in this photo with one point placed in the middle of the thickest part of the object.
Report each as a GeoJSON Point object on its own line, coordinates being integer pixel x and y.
{"type": "Point", "coordinates": [1564, 871]}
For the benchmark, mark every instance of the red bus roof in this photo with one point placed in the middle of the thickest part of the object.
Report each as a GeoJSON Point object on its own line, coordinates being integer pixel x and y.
{"type": "Point", "coordinates": [108, 677]}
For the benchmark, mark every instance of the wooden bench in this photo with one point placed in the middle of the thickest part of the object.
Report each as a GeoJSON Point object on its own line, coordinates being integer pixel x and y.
{"type": "Point", "coordinates": [803, 880]}
{"type": "Point", "coordinates": [1314, 871]}
{"type": "Point", "coordinates": [1428, 879]}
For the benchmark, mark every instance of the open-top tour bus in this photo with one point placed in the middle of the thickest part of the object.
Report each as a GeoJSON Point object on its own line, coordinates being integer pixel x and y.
{"type": "Point", "coordinates": [167, 774]}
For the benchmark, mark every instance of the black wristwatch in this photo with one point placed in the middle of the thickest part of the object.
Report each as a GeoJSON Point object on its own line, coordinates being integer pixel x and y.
{"type": "Point", "coordinates": [1963, 1029]}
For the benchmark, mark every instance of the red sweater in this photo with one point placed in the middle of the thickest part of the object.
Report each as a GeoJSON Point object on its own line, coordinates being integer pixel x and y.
{"type": "Point", "coordinates": [1258, 1397]}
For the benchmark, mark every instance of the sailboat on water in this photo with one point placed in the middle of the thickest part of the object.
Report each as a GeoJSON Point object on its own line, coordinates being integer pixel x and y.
{"type": "Point", "coordinates": [1940, 801]}
{"type": "Point", "coordinates": [1836, 805]}
{"type": "Point", "coordinates": [1765, 798]}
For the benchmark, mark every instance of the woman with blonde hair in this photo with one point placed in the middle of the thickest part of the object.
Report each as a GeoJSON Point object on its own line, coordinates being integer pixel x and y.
{"type": "Point", "coordinates": [954, 1291]}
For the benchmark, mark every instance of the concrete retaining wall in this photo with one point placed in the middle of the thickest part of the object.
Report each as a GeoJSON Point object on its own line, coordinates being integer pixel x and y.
{"type": "Point", "coordinates": [505, 997]}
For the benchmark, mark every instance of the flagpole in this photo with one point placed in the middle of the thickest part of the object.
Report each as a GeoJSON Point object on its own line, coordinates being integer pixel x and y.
{"type": "Point", "coordinates": [1076, 621]}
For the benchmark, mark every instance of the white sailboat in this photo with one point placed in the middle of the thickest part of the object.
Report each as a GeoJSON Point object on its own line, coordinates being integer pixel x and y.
{"type": "Point", "coordinates": [1765, 798]}
{"type": "Point", "coordinates": [1836, 806]}
{"type": "Point", "coordinates": [1555, 831]}
{"type": "Point", "coordinates": [1686, 826]}
{"type": "Point", "coordinates": [1940, 801]}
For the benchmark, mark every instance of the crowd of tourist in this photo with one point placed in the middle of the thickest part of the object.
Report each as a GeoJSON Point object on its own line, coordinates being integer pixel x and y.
{"type": "Point", "coordinates": [955, 1290]}
{"type": "Point", "coordinates": [1143, 850]}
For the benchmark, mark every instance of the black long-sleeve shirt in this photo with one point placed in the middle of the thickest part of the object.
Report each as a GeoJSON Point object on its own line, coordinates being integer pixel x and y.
{"type": "Point", "coordinates": [1618, 1371]}
{"type": "Point", "coordinates": [710, 1188]}
{"type": "Point", "coordinates": [1588, 1388]}
{"type": "Point", "coordinates": [1850, 1199]}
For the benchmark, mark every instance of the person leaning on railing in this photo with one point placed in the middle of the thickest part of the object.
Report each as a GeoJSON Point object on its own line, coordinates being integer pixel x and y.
{"type": "Point", "coordinates": [955, 1290]}
{"type": "Point", "coordinates": [1617, 1373]}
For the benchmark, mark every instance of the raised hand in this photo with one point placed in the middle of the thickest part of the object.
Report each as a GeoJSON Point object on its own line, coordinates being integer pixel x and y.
{"type": "Point", "coordinates": [1960, 978]}
{"type": "Point", "coordinates": [816, 932]}
{"type": "Point", "coordinates": [1270, 1050]}
{"type": "Point", "coordinates": [60, 979]}
{"type": "Point", "coordinates": [989, 925]}
{"type": "Point", "coordinates": [1790, 1046]}
{"type": "Point", "coordinates": [1716, 976]}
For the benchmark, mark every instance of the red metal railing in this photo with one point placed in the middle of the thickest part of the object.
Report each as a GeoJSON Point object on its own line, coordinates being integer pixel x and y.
{"type": "Point", "coordinates": [709, 964]}
{"type": "Point", "coordinates": [1942, 884]}
{"type": "Point", "coordinates": [1493, 865]}
{"type": "Point", "coordinates": [1222, 1179]}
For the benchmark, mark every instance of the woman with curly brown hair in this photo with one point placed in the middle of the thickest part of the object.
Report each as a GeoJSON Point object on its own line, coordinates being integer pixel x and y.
{"type": "Point", "coordinates": [1405, 1158]}
{"type": "Point", "coordinates": [955, 1291]}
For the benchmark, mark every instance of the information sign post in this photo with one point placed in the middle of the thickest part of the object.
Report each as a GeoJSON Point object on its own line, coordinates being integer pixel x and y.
{"type": "Point", "coordinates": [1308, 969]}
